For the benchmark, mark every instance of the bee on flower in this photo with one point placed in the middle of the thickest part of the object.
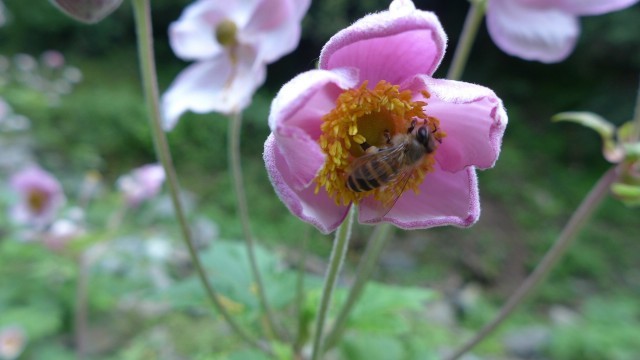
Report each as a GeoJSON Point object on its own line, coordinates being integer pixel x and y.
{"type": "Point", "coordinates": [372, 128]}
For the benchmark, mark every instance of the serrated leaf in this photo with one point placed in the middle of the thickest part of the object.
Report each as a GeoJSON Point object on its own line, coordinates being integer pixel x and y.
{"type": "Point", "coordinates": [87, 11]}
{"type": "Point", "coordinates": [610, 149]}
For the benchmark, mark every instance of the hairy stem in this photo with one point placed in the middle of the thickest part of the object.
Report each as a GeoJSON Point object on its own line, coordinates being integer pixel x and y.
{"type": "Point", "coordinates": [243, 212]}
{"type": "Point", "coordinates": [81, 311]}
{"type": "Point", "coordinates": [144, 33]}
{"type": "Point", "coordinates": [340, 247]}
{"type": "Point", "coordinates": [375, 245]}
{"type": "Point", "coordinates": [550, 259]}
{"type": "Point", "coordinates": [468, 36]}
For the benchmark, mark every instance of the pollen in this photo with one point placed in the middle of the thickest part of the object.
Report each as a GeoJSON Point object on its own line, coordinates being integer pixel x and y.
{"type": "Point", "coordinates": [363, 121]}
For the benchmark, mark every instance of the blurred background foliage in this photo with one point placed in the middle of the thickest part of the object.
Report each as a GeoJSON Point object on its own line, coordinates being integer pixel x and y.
{"type": "Point", "coordinates": [544, 170]}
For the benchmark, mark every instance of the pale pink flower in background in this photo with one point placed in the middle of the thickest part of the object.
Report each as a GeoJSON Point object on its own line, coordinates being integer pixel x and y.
{"type": "Point", "coordinates": [60, 233]}
{"type": "Point", "coordinates": [141, 184]}
{"type": "Point", "coordinates": [13, 340]}
{"type": "Point", "coordinates": [40, 196]}
{"type": "Point", "coordinates": [542, 30]}
{"type": "Point", "coordinates": [374, 78]}
{"type": "Point", "coordinates": [231, 42]}
{"type": "Point", "coordinates": [52, 59]}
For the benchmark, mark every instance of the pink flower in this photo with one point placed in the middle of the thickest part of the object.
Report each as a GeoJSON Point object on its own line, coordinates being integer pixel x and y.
{"type": "Point", "coordinates": [542, 30]}
{"type": "Point", "coordinates": [374, 80]}
{"type": "Point", "coordinates": [13, 340]}
{"type": "Point", "coordinates": [231, 42]}
{"type": "Point", "coordinates": [41, 196]}
{"type": "Point", "coordinates": [142, 183]}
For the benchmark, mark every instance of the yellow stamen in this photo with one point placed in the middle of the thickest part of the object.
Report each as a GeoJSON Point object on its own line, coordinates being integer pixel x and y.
{"type": "Point", "coordinates": [364, 118]}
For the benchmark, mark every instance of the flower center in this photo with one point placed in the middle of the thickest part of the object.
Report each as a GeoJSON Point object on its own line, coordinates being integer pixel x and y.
{"type": "Point", "coordinates": [373, 121]}
{"type": "Point", "coordinates": [226, 33]}
{"type": "Point", "coordinates": [36, 200]}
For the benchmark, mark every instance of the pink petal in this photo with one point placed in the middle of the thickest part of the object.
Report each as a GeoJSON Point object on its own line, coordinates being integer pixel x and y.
{"type": "Point", "coordinates": [319, 210]}
{"type": "Point", "coordinates": [391, 45]}
{"type": "Point", "coordinates": [213, 85]}
{"type": "Point", "coordinates": [473, 118]}
{"type": "Point", "coordinates": [275, 27]}
{"type": "Point", "coordinates": [192, 37]}
{"type": "Point", "coordinates": [581, 7]}
{"type": "Point", "coordinates": [546, 35]}
{"type": "Point", "coordinates": [296, 115]}
{"type": "Point", "coordinates": [445, 199]}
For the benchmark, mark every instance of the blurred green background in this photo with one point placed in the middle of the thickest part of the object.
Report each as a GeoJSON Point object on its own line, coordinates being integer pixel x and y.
{"type": "Point", "coordinates": [544, 170]}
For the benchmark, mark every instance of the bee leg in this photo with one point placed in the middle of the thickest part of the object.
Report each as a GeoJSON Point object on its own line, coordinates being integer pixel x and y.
{"type": "Point", "coordinates": [412, 126]}
{"type": "Point", "coordinates": [387, 136]}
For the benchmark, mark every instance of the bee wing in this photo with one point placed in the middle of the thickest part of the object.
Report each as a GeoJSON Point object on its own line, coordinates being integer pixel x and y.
{"type": "Point", "coordinates": [392, 156]}
{"type": "Point", "coordinates": [401, 179]}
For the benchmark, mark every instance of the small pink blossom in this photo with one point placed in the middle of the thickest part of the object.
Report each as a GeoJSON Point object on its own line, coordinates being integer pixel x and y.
{"type": "Point", "coordinates": [542, 30]}
{"type": "Point", "coordinates": [52, 59]}
{"type": "Point", "coordinates": [40, 194]}
{"type": "Point", "coordinates": [13, 340]}
{"type": "Point", "coordinates": [231, 42]}
{"type": "Point", "coordinates": [142, 183]}
{"type": "Point", "coordinates": [383, 58]}
{"type": "Point", "coordinates": [61, 232]}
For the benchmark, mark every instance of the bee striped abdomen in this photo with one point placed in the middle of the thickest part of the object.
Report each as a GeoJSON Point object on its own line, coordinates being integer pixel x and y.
{"type": "Point", "coordinates": [371, 175]}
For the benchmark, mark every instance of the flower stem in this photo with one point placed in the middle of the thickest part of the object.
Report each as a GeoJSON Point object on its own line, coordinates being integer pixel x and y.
{"type": "Point", "coordinates": [468, 36]}
{"type": "Point", "coordinates": [370, 258]}
{"type": "Point", "coordinates": [562, 243]}
{"type": "Point", "coordinates": [636, 117]}
{"type": "Point", "coordinates": [142, 13]}
{"type": "Point", "coordinates": [340, 246]}
{"type": "Point", "coordinates": [81, 312]}
{"type": "Point", "coordinates": [300, 296]}
{"type": "Point", "coordinates": [243, 211]}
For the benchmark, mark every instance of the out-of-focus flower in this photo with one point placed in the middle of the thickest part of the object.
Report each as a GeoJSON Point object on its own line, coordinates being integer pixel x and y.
{"type": "Point", "coordinates": [13, 340]}
{"type": "Point", "coordinates": [87, 11]}
{"type": "Point", "coordinates": [142, 183]}
{"type": "Point", "coordinates": [61, 232]}
{"type": "Point", "coordinates": [373, 85]}
{"type": "Point", "coordinates": [542, 30]}
{"type": "Point", "coordinates": [52, 59]}
{"type": "Point", "coordinates": [41, 196]}
{"type": "Point", "coordinates": [231, 42]}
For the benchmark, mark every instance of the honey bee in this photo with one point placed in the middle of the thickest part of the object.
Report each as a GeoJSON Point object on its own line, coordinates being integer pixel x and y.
{"type": "Point", "coordinates": [394, 163]}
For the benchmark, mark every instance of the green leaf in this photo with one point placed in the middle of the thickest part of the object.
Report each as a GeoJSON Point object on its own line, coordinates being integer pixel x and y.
{"type": "Point", "coordinates": [610, 149]}
{"type": "Point", "coordinates": [384, 309]}
{"type": "Point", "coordinates": [371, 347]}
{"type": "Point", "coordinates": [37, 321]}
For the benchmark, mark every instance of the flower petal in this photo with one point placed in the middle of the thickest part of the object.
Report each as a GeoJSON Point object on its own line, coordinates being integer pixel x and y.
{"type": "Point", "coordinates": [445, 199]}
{"type": "Point", "coordinates": [192, 36]}
{"type": "Point", "coordinates": [391, 45]}
{"type": "Point", "coordinates": [582, 7]}
{"type": "Point", "coordinates": [275, 28]}
{"type": "Point", "coordinates": [473, 118]}
{"type": "Point", "coordinates": [317, 209]}
{"type": "Point", "coordinates": [213, 85]}
{"type": "Point", "coordinates": [543, 34]}
{"type": "Point", "coordinates": [296, 115]}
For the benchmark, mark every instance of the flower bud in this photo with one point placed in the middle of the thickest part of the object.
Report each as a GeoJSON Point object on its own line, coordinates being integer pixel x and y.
{"type": "Point", "coordinates": [87, 11]}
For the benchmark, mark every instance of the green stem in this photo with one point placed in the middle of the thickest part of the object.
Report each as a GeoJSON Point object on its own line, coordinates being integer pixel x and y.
{"type": "Point", "coordinates": [553, 255]}
{"type": "Point", "coordinates": [144, 33]}
{"type": "Point", "coordinates": [468, 36]}
{"type": "Point", "coordinates": [636, 117]}
{"type": "Point", "coordinates": [300, 296]}
{"type": "Point", "coordinates": [81, 311]}
{"type": "Point", "coordinates": [370, 258]}
{"type": "Point", "coordinates": [243, 211]}
{"type": "Point", "coordinates": [340, 246]}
